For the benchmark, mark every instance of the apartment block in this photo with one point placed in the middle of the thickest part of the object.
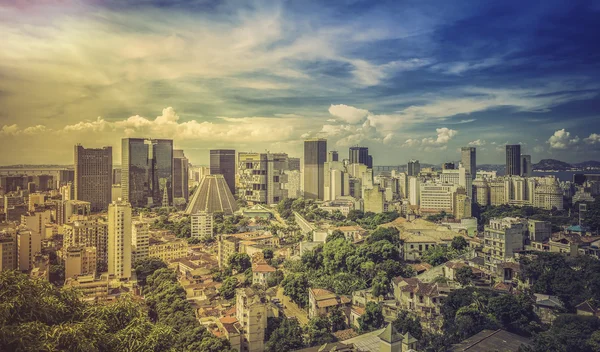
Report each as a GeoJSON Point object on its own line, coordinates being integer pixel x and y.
{"type": "Point", "coordinates": [168, 249]}
{"type": "Point", "coordinates": [140, 240]}
{"type": "Point", "coordinates": [502, 238]}
{"type": "Point", "coordinates": [80, 261]}
{"type": "Point", "coordinates": [202, 225]}
{"type": "Point", "coordinates": [119, 240]}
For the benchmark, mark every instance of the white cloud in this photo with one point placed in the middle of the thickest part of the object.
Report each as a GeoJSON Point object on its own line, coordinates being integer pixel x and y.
{"type": "Point", "coordinates": [477, 143]}
{"type": "Point", "coordinates": [444, 135]}
{"type": "Point", "coordinates": [593, 139]}
{"type": "Point", "coordinates": [348, 114]}
{"type": "Point", "coordinates": [561, 139]}
{"type": "Point", "coordinates": [9, 130]}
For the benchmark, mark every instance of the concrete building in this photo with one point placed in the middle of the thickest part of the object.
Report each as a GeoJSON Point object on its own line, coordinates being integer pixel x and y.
{"type": "Point", "coordinates": [526, 167]}
{"type": "Point", "coordinates": [321, 302]}
{"type": "Point", "coordinates": [119, 240]}
{"type": "Point", "coordinates": [481, 192]}
{"type": "Point", "coordinates": [374, 200]}
{"type": "Point", "coordinates": [93, 176]}
{"type": "Point", "coordinates": [539, 231]}
{"type": "Point", "coordinates": [502, 238]}
{"type": "Point", "coordinates": [227, 246]}
{"type": "Point", "coordinates": [413, 168]}
{"type": "Point", "coordinates": [513, 159]}
{"type": "Point", "coordinates": [80, 261]}
{"type": "Point", "coordinates": [35, 200]}
{"type": "Point", "coordinates": [261, 273]}
{"type": "Point", "coordinates": [202, 225]}
{"type": "Point", "coordinates": [88, 233]}
{"type": "Point", "coordinates": [37, 221]}
{"type": "Point", "coordinates": [251, 312]}
{"type": "Point", "coordinates": [469, 160]}
{"type": "Point", "coordinates": [180, 176]}
{"type": "Point", "coordinates": [168, 249]}
{"type": "Point", "coordinates": [548, 194]}
{"type": "Point", "coordinates": [262, 176]}
{"type": "Point", "coordinates": [147, 172]}
{"type": "Point", "coordinates": [294, 183]}
{"type": "Point", "coordinates": [336, 180]}
{"type": "Point", "coordinates": [222, 162]}
{"type": "Point", "coordinates": [414, 190]}
{"type": "Point", "coordinates": [29, 243]}
{"type": "Point", "coordinates": [497, 192]}
{"type": "Point", "coordinates": [315, 156]}
{"type": "Point", "coordinates": [437, 197]}
{"type": "Point", "coordinates": [359, 155]}
{"type": "Point", "coordinates": [140, 240]}
{"type": "Point", "coordinates": [8, 250]}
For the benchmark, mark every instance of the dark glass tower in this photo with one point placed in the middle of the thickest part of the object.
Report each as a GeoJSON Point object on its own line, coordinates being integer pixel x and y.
{"type": "Point", "coordinates": [359, 155]}
{"type": "Point", "coordinates": [469, 160]}
{"type": "Point", "coordinates": [315, 156]}
{"type": "Point", "coordinates": [180, 175]}
{"type": "Point", "coordinates": [147, 171]}
{"type": "Point", "coordinates": [513, 159]}
{"type": "Point", "coordinates": [93, 176]}
{"type": "Point", "coordinates": [222, 162]}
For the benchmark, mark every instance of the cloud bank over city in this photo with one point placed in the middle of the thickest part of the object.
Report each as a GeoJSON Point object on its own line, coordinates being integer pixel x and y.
{"type": "Point", "coordinates": [408, 79]}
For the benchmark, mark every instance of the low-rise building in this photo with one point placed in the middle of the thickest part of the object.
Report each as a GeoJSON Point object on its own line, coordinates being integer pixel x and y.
{"type": "Point", "coordinates": [202, 225]}
{"type": "Point", "coordinates": [424, 299]}
{"type": "Point", "coordinates": [321, 302]}
{"type": "Point", "coordinates": [168, 249]}
{"type": "Point", "coordinates": [80, 261]}
{"type": "Point", "coordinates": [261, 273]}
{"type": "Point", "coordinates": [502, 239]}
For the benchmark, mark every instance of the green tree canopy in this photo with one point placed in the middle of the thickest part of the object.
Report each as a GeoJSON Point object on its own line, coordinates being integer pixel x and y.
{"type": "Point", "coordinates": [372, 319]}
{"type": "Point", "coordinates": [287, 337]}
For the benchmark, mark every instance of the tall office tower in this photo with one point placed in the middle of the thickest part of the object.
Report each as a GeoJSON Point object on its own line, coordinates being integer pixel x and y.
{"type": "Point", "coordinates": [370, 161]}
{"type": "Point", "coordinates": [359, 155]}
{"type": "Point", "coordinates": [513, 159]}
{"type": "Point", "coordinates": [222, 162]}
{"type": "Point", "coordinates": [146, 171]}
{"type": "Point", "coordinates": [315, 155]}
{"type": "Point", "coordinates": [119, 239]}
{"type": "Point", "coordinates": [332, 156]}
{"type": "Point", "coordinates": [413, 168]}
{"type": "Point", "coordinates": [526, 170]}
{"type": "Point", "coordinates": [262, 176]}
{"type": "Point", "coordinates": [180, 175]}
{"type": "Point", "coordinates": [469, 160]}
{"type": "Point", "coordinates": [93, 176]}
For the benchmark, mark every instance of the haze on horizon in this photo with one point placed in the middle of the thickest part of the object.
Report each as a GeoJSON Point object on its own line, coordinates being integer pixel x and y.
{"type": "Point", "coordinates": [408, 79]}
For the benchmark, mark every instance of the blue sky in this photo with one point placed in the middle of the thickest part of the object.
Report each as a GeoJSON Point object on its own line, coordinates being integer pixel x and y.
{"type": "Point", "coordinates": [408, 79]}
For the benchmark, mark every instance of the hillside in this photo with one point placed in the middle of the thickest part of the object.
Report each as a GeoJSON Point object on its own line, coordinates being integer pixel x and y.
{"type": "Point", "coordinates": [552, 164]}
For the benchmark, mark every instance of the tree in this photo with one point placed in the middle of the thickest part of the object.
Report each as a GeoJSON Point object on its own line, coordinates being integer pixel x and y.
{"type": "Point", "coordinates": [407, 322]}
{"type": "Point", "coordinates": [268, 253]}
{"type": "Point", "coordinates": [287, 337]}
{"type": "Point", "coordinates": [318, 331]}
{"type": "Point", "coordinates": [390, 234]}
{"type": "Point", "coordinates": [381, 285]}
{"type": "Point", "coordinates": [228, 287]}
{"type": "Point", "coordinates": [572, 333]}
{"type": "Point", "coordinates": [146, 267]}
{"type": "Point", "coordinates": [337, 319]}
{"type": "Point", "coordinates": [459, 243]}
{"type": "Point", "coordinates": [275, 279]}
{"type": "Point", "coordinates": [372, 319]}
{"type": "Point", "coordinates": [240, 262]}
{"type": "Point", "coordinates": [464, 275]}
{"type": "Point", "coordinates": [295, 286]}
{"type": "Point", "coordinates": [336, 234]}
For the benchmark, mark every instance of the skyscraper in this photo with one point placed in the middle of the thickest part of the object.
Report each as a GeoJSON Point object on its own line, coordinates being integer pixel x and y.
{"type": "Point", "coordinates": [333, 156]}
{"type": "Point", "coordinates": [469, 160]}
{"type": "Point", "coordinates": [526, 165]}
{"type": "Point", "coordinates": [359, 155]}
{"type": "Point", "coordinates": [513, 159]}
{"type": "Point", "coordinates": [413, 168]}
{"type": "Point", "coordinates": [147, 171]}
{"type": "Point", "coordinates": [119, 239]}
{"type": "Point", "coordinates": [222, 162]}
{"type": "Point", "coordinates": [93, 176]}
{"type": "Point", "coordinates": [262, 176]}
{"type": "Point", "coordinates": [180, 175]}
{"type": "Point", "coordinates": [315, 155]}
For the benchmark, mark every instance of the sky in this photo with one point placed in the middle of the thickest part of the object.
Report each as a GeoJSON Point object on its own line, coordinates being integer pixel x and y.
{"type": "Point", "coordinates": [408, 79]}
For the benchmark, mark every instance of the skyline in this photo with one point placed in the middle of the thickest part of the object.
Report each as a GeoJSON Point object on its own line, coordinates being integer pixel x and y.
{"type": "Point", "coordinates": [407, 80]}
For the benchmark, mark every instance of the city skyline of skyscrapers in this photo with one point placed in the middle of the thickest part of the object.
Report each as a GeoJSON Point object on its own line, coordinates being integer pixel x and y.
{"type": "Point", "coordinates": [147, 171]}
{"type": "Point", "coordinates": [315, 156]}
{"type": "Point", "coordinates": [93, 176]}
{"type": "Point", "coordinates": [222, 162]}
{"type": "Point", "coordinates": [513, 159]}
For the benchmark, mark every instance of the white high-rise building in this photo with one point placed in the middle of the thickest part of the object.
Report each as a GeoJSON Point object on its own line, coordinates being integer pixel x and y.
{"type": "Point", "coordinates": [414, 190]}
{"type": "Point", "coordinates": [337, 180]}
{"type": "Point", "coordinates": [202, 225]}
{"type": "Point", "coordinates": [119, 239]}
{"type": "Point", "coordinates": [140, 240]}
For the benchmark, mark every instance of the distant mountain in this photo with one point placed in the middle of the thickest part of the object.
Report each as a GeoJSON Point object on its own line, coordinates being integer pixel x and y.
{"type": "Point", "coordinates": [557, 165]}
{"type": "Point", "coordinates": [590, 164]}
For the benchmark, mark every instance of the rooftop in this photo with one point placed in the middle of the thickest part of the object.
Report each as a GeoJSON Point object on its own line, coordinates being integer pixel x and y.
{"type": "Point", "coordinates": [489, 340]}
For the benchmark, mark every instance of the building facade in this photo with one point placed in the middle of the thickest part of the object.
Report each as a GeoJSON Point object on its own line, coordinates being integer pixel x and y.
{"type": "Point", "coordinates": [262, 177]}
{"type": "Point", "coordinates": [315, 156]}
{"type": "Point", "coordinates": [222, 162]}
{"type": "Point", "coordinates": [119, 240]}
{"type": "Point", "coordinates": [502, 238]}
{"type": "Point", "coordinates": [147, 172]}
{"type": "Point", "coordinates": [93, 176]}
{"type": "Point", "coordinates": [468, 157]}
{"type": "Point", "coordinates": [202, 225]}
{"type": "Point", "coordinates": [140, 239]}
{"type": "Point", "coordinates": [513, 159]}
{"type": "Point", "coordinates": [180, 176]}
